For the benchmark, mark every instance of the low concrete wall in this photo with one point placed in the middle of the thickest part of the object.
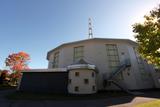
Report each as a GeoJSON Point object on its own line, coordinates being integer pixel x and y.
{"type": "Point", "coordinates": [48, 82]}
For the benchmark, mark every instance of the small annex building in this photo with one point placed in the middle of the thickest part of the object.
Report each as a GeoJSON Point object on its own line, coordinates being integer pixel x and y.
{"type": "Point", "coordinates": [87, 66]}
{"type": "Point", "coordinates": [82, 78]}
{"type": "Point", "coordinates": [78, 78]}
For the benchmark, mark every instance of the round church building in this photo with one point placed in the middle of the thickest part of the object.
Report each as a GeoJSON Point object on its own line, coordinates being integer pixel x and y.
{"type": "Point", "coordinates": [82, 78]}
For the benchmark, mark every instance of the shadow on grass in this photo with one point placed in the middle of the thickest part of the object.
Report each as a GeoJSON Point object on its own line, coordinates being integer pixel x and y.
{"type": "Point", "coordinates": [55, 96]}
{"type": "Point", "coordinates": [153, 93]}
{"type": "Point", "coordinates": [100, 99]}
{"type": "Point", "coordinates": [6, 87]}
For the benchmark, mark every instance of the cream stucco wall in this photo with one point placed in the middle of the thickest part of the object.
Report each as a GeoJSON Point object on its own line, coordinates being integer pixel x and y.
{"type": "Point", "coordinates": [95, 53]}
{"type": "Point", "coordinates": [79, 81]}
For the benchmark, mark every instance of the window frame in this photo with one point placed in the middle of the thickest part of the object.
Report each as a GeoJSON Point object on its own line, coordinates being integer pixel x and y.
{"type": "Point", "coordinates": [56, 60]}
{"type": "Point", "coordinates": [145, 75]}
{"type": "Point", "coordinates": [113, 58]}
{"type": "Point", "coordinates": [78, 53]}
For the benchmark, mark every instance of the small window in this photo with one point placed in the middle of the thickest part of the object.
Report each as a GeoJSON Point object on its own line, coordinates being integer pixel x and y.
{"type": "Point", "coordinates": [86, 81]}
{"type": "Point", "coordinates": [76, 74]}
{"type": "Point", "coordinates": [93, 88]}
{"type": "Point", "coordinates": [92, 74]}
{"type": "Point", "coordinates": [76, 88]}
{"type": "Point", "coordinates": [70, 80]}
{"type": "Point", "coordinates": [122, 53]}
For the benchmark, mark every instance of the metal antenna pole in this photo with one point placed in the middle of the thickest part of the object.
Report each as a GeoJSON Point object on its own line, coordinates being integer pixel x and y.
{"type": "Point", "coordinates": [90, 33]}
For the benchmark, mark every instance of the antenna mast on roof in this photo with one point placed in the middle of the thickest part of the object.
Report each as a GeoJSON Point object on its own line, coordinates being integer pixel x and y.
{"type": "Point", "coordinates": [90, 33]}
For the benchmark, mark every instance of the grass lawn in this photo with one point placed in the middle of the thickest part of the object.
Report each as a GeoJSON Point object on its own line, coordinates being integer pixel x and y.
{"type": "Point", "coordinates": [52, 96]}
{"type": "Point", "coordinates": [150, 104]}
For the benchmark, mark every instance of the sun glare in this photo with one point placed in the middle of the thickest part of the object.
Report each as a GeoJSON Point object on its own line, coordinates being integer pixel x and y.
{"type": "Point", "coordinates": [139, 18]}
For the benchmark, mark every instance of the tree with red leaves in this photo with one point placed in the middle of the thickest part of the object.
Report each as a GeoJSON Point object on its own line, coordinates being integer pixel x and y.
{"type": "Point", "coordinates": [17, 62]}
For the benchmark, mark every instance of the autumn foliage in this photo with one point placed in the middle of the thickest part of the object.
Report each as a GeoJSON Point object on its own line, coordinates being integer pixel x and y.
{"type": "Point", "coordinates": [17, 62]}
{"type": "Point", "coordinates": [4, 72]}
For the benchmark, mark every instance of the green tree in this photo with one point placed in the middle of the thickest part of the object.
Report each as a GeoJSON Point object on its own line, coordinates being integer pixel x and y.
{"type": "Point", "coordinates": [147, 35]}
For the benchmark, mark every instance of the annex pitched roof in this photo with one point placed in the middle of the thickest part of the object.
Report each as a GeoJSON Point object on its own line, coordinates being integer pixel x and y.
{"type": "Point", "coordinates": [80, 64]}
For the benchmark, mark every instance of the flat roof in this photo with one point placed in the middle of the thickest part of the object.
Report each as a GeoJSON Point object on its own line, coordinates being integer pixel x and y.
{"type": "Point", "coordinates": [46, 70]}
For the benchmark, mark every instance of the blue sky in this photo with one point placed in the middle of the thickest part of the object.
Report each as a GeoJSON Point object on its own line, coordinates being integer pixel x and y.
{"type": "Point", "coordinates": [37, 26]}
